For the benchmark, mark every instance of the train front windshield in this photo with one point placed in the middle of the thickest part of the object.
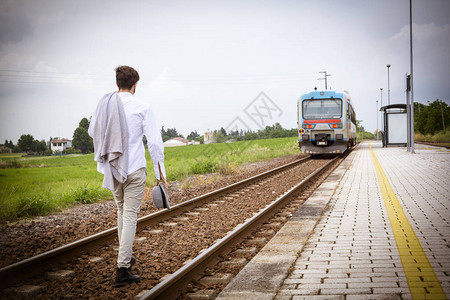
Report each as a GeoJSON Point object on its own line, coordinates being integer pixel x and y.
{"type": "Point", "coordinates": [316, 109]}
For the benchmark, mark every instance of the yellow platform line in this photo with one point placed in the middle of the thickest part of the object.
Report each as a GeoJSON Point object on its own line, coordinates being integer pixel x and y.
{"type": "Point", "coordinates": [422, 280]}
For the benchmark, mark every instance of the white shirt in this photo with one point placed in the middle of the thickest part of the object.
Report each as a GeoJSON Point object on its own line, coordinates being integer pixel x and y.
{"type": "Point", "coordinates": [140, 121]}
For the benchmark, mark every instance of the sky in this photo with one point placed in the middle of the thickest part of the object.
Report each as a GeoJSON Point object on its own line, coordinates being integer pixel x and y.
{"type": "Point", "coordinates": [212, 64]}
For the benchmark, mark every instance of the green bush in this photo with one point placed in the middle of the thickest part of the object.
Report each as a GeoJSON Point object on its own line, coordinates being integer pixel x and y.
{"type": "Point", "coordinates": [204, 166]}
{"type": "Point", "coordinates": [72, 151]}
{"type": "Point", "coordinates": [12, 163]}
{"type": "Point", "coordinates": [442, 136]}
{"type": "Point", "coordinates": [30, 204]}
{"type": "Point", "coordinates": [86, 194]}
{"type": "Point", "coordinates": [34, 205]}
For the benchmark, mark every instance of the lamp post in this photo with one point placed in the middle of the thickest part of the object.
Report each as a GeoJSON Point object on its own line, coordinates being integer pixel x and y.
{"type": "Point", "coordinates": [381, 95]}
{"type": "Point", "coordinates": [377, 120]}
{"type": "Point", "coordinates": [389, 87]}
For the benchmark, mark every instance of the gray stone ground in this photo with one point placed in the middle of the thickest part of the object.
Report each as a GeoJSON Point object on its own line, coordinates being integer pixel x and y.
{"type": "Point", "coordinates": [351, 251]}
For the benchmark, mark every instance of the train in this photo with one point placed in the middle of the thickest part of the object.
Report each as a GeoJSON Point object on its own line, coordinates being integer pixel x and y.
{"type": "Point", "coordinates": [326, 122]}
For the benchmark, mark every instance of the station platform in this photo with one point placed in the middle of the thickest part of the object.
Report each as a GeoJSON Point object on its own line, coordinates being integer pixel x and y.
{"type": "Point", "coordinates": [377, 228]}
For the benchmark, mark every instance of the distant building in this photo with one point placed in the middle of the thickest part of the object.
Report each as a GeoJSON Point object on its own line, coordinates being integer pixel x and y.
{"type": "Point", "coordinates": [209, 138]}
{"type": "Point", "coordinates": [60, 144]}
{"type": "Point", "coordinates": [175, 142]}
{"type": "Point", "coordinates": [4, 149]}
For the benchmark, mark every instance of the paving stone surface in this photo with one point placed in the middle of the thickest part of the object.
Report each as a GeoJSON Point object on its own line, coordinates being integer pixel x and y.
{"type": "Point", "coordinates": [351, 252]}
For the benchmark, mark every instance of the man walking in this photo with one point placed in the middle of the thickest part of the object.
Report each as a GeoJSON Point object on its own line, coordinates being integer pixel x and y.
{"type": "Point", "coordinates": [117, 127]}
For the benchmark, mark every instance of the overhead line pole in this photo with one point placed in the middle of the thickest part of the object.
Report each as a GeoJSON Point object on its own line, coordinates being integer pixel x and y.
{"type": "Point", "coordinates": [325, 78]}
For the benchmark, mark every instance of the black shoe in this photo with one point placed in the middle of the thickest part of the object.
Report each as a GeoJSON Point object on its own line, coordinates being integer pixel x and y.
{"type": "Point", "coordinates": [123, 277]}
{"type": "Point", "coordinates": [132, 262]}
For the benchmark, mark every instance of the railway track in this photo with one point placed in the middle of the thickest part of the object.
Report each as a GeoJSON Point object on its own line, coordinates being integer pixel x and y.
{"type": "Point", "coordinates": [160, 282]}
{"type": "Point", "coordinates": [37, 264]}
{"type": "Point", "coordinates": [179, 284]}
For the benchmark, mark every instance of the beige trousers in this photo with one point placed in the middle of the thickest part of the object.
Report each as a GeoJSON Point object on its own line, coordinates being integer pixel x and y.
{"type": "Point", "coordinates": [128, 197]}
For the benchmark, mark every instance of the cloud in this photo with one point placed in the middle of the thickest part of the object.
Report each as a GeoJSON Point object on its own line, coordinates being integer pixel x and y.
{"type": "Point", "coordinates": [24, 63]}
{"type": "Point", "coordinates": [42, 67]}
{"type": "Point", "coordinates": [19, 19]}
{"type": "Point", "coordinates": [29, 69]}
{"type": "Point", "coordinates": [14, 28]}
{"type": "Point", "coordinates": [422, 32]}
{"type": "Point", "coordinates": [14, 61]}
{"type": "Point", "coordinates": [164, 82]}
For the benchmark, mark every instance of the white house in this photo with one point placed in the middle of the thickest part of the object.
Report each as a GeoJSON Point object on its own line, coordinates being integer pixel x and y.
{"type": "Point", "coordinates": [60, 144]}
{"type": "Point", "coordinates": [175, 142]}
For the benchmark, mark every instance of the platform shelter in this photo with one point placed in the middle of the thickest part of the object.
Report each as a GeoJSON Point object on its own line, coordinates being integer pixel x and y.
{"type": "Point", "coordinates": [395, 131]}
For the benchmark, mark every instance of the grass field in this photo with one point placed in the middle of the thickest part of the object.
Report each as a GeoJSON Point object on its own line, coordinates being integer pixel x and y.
{"type": "Point", "coordinates": [31, 186]}
{"type": "Point", "coordinates": [441, 138]}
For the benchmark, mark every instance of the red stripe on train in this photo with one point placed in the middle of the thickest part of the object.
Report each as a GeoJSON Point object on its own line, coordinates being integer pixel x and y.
{"type": "Point", "coordinates": [321, 121]}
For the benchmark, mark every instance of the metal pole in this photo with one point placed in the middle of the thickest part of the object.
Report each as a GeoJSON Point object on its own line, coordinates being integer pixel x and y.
{"type": "Point", "coordinates": [381, 96]}
{"type": "Point", "coordinates": [389, 86]}
{"type": "Point", "coordinates": [381, 105]}
{"type": "Point", "coordinates": [325, 78]}
{"type": "Point", "coordinates": [408, 114]}
{"type": "Point", "coordinates": [411, 80]}
{"type": "Point", "coordinates": [377, 120]}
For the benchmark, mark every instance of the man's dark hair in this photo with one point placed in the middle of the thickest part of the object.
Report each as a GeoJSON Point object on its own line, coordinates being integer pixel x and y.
{"type": "Point", "coordinates": [126, 77]}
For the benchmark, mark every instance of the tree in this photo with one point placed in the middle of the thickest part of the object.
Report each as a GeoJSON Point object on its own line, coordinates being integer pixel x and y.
{"type": "Point", "coordinates": [82, 140]}
{"type": "Point", "coordinates": [193, 135]}
{"type": "Point", "coordinates": [219, 137]}
{"type": "Point", "coordinates": [84, 123]}
{"type": "Point", "coordinates": [169, 133]}
{"type": "Point", "coordinates": [223, 131]}
{"type": "Point", "coordinates": [25, 142]}
{"type": "Point", "coordinates": [431, 118]}
{"type": "Point", "coordinates": [39, 146]}
{"type": "Point", "coordinates": [16, 149]}
{"type": "Point", "coordinates": [172, 132]}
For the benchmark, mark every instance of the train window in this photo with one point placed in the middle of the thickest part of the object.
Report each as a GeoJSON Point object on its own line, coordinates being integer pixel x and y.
{"type": "Point", "coordinates": [353, 115]}
{"type": "Point", "coordinates": [322, 109]}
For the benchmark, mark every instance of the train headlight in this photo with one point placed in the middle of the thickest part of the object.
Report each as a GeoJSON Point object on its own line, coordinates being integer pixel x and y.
{"type": "Point", "coordinates": [308, 126]}
{"type": "Point", "coordinates": [305, 137]}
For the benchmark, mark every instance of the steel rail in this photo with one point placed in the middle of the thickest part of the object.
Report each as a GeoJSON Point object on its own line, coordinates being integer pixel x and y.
{"type": "Point", "coordinates": [172, 286]}
{"type": "Point", "coordinates": [37, 264]}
